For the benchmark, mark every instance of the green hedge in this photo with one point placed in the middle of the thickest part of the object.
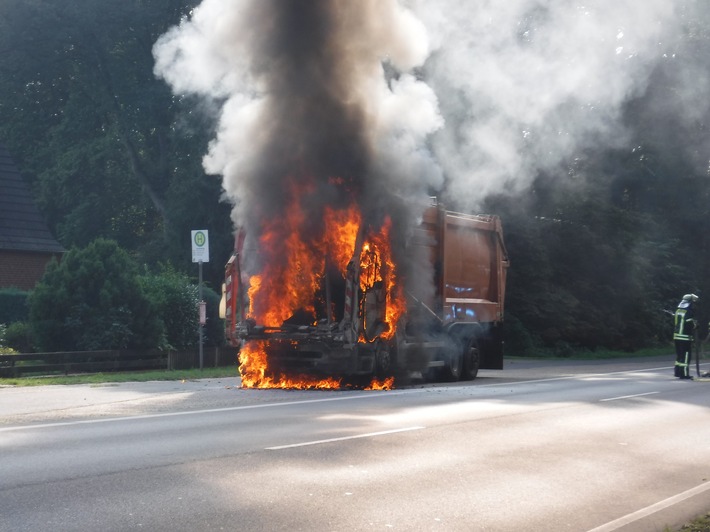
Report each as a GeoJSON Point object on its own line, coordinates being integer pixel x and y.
{"type": "Point", "coordinates": [13, 305]}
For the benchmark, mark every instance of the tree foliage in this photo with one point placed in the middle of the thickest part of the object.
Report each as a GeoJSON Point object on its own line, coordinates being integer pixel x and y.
{"type": "Point", "coordinates": [3, 345]}
{"type": "Point", "coordinates": [108, 150]}
{"type": "Point", "coordinates": [96, 298]}
{"type": "Point", "coordinates": [93, 300]}
{"type": "Point", "coordinates": [13, 305]}
{"type": "Point", "coordinates": [598, 252]}
{"type": "Point", "coordinates": [175, 301]}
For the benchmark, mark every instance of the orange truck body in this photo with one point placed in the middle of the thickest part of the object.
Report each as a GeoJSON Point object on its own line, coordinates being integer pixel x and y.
{"type": "Point", "coordinates": [448, 332]}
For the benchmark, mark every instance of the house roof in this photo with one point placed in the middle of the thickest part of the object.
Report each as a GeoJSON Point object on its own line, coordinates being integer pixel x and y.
{"type": "Point", "coordinates": [22, 227]}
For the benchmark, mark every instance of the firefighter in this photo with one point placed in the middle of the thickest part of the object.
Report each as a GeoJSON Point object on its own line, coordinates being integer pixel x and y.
{"type": "Point", "coordinates": [684, 327]}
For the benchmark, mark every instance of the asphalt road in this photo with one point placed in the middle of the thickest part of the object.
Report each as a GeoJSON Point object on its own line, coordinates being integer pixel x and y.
{"type": "Point", "coordinates": [554, 445]}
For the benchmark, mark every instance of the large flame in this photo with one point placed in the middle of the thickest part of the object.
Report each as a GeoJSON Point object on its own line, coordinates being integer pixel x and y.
{"type": "Point", "coordinates": [377, 265]}
{"type": "Point", "coordinates": [253, 369]}
{"type": "Point", "coordinates": [295, 264]}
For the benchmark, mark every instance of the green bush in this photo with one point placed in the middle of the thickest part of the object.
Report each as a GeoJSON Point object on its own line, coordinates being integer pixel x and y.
{"type": "Point", "coordinates": [174, 300]}
{"type": "Point", "coordinates": [13, 305]}
{"type": "Point", "coordinates": [19, 337]}
{"type": "Point", "coordinates": [93, 300]}
{"type": "Point", "coordinates": [4, 348]}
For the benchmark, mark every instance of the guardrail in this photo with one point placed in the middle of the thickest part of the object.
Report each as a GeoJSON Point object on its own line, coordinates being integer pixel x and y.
{"type": "Point", "coordinates": [73, 362]}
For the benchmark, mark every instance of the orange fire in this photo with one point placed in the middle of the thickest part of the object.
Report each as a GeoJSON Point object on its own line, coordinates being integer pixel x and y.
{"type": "Point", "coordinates": [295, 263]}
{"type": "Point", "coordinates": [377, 265]}
{"type": "Point", "coordinates": [340, 235]}
{"type": "Point", "coordinates": [253, 370]}
{"type": "Point", "coordinates": [254, 366]}
{"type": "Point", "coordinates": [386, 384]}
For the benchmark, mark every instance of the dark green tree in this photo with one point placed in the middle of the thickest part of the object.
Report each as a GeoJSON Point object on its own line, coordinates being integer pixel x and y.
{"type": "Point", "coordinates": [92, 300]}
{"type": "Point", "coordinates": [109, 151]}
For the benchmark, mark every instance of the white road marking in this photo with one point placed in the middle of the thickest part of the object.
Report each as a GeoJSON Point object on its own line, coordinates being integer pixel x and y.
{"type": "Point", "coordinates": [269, 405]}
{"type": "Point", "coordinates": [627, 396]}
{"type": "Point", "coordinates": [644, 512]}
{"type": "Point", "coordinates": [344, 438]}
{"type": "Point", "coordinates": [567, 377]}
{"type": "Point", "coordinates": [193, 412]}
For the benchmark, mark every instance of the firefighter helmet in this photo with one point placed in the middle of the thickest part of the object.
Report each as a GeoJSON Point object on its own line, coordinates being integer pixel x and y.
{"type": "Point", "coordinates": [690, 297]}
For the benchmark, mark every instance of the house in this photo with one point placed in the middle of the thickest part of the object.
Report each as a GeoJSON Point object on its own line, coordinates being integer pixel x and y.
{"type": "Point", "coordinates": [26, 243]}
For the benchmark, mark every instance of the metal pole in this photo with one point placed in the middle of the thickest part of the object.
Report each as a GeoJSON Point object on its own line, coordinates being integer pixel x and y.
{"type": "Point", "coordinates": [199, 321]}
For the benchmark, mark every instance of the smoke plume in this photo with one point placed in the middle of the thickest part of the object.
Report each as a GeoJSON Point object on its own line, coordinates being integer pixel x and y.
{"type": "Point", "coordinates": [389, 101]}
{"type": "Point", "coordinates": [524, 85]}
{"type": "Point", "coordinates": [315, 94]}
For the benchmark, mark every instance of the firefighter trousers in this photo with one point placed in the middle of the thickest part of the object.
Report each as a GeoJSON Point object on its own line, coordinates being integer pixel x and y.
{"type": "Point", "coordinates": [682, 358]}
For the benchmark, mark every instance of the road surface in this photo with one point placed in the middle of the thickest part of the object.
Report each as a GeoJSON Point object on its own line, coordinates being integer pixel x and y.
{"type": "Point", "coordinates": [545, 445]}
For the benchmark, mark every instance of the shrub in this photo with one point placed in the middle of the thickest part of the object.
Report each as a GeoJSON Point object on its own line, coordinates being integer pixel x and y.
{"type": "Point", "coordinates": [174, 300]}
{"type": "Point", "coordinates": [13, 305]}
{"type": "Point", "coordinates": [19, 337]}
{"type": "Point", "coordinates": [93, 300]}
{"type": "Point", "coordinates": [4, 349]}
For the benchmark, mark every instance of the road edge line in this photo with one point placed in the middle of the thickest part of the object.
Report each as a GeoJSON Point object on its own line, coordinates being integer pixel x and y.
{"type": "Point", "coordinates": [645, 512]}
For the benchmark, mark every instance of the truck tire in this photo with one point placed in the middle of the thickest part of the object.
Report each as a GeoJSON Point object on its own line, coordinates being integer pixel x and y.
{"type": "Point", "coordinates": [471, 360]}
{"type": "Point", "coordinates": [383, 361]}
{"type": "Point", "coordinates": [454, 366]}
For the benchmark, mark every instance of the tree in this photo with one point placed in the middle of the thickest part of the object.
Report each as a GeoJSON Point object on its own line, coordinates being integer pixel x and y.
{"type": "Point", "coordinates": [111, 154]}
{"type": "Point", "coordinates": [108, 150]}
{"type": "Point", "coordinates": [93, 300]}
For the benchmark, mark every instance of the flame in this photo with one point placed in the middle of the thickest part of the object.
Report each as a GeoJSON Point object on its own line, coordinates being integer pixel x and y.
{"type": "Point", "coordinates": [294, 264]}
{"type": "Point", "coordinates": [377, 265]}
{"type": "Point", "coordinates": [294, 268]}
{"type": "Point", "coordinates": [290, 287]}
{"type": "Point", "coordinates": [341, 233]}
{"type": "Point", "coordinates": [386, 384]}
{"type": "Point", "coordinates": [254, 367]}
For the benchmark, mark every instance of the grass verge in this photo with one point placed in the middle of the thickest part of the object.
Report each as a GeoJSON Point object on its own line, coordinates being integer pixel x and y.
{"type": "Point", "coordinates": [131, 376]}
{"type": "Point", "coordinates": [701, 524]}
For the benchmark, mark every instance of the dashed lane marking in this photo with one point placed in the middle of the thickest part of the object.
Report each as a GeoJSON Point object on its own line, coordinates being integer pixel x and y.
{"type": "Point", "coordinates": [627, 396]}
{"type": "Point", "coordinates": [344, 438]}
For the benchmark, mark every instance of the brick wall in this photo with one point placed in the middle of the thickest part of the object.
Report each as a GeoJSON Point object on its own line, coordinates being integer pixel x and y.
{"type": "Point", "coordinates": [22, 269]}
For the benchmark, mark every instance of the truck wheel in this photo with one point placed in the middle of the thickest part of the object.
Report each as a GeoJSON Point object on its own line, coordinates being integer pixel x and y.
{"type": "Point", "coordinates": [383, 362]}
{"type": "Point", "coordinates": [454, 367]}
{"type": "Point", "coordinates": [471, 360]}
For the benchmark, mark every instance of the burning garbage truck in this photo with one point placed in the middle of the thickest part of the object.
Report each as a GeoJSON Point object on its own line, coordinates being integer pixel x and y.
{"type": "Point", "coordinates": [340, 311]}
{"type": "Point", "coordinates": [332, 130]}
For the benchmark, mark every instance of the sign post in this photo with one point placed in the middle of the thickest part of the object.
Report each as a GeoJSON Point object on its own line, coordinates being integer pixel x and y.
{"type": "Point", "coordinates": [200, 254]}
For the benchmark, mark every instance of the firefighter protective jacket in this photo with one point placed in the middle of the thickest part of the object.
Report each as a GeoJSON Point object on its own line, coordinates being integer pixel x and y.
{"type": "Point", "coordinates": [684, 322]}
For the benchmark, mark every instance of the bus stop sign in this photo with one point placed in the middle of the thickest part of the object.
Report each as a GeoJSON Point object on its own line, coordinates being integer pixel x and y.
{"type": "Point", "coordinates": [200, 246]}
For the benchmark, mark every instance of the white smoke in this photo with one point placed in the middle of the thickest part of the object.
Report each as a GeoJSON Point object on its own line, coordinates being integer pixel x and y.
{"type": "Point", "coordinates": [525, 84]}
{"type": "Point", "coordinates": [461, 97]}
